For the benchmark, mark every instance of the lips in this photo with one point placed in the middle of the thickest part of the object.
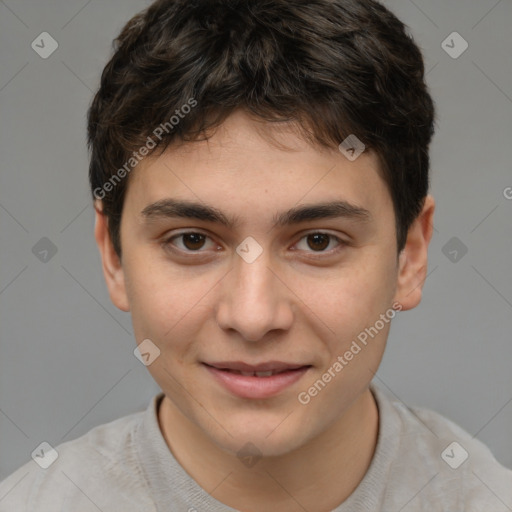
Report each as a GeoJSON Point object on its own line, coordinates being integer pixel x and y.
{"type": "Point", "coordinates": [266, 369]}
{"type": "Point", "coordinates": [257, 384]}
{"type": "Point", "coordinates": [259, 381]}
{"type": "Point", "coordinates": [267, 373]}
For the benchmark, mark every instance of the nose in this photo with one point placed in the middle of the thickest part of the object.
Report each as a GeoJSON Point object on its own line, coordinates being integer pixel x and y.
{"type": "Point", "coordinates": [254, 300]}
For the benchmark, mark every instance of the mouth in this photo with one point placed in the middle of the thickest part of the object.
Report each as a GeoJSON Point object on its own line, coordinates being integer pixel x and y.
{"type": "Point", "coordinates": [257, 381]}
{"type": "Point", "coordinates": [268, 373]}
{"type": "Point", "coordinates": [255, 374]}
{"type": "Point", "coordinates": [266, 369]}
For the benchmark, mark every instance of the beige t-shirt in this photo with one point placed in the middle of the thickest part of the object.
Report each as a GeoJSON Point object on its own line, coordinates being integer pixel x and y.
{"type": "Point", "coordinates": [422, 462]}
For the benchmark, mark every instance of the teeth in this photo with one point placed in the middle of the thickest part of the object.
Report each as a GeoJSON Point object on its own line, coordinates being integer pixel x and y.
{"type": "Point", "coordinates": [267, 373]}
{"type": "Point", "coordinates": [257, 374]}
{"type": "Point", "coordinates": [264, 374]}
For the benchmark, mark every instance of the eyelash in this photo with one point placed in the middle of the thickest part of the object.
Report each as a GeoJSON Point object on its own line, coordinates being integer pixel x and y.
{"type": "Point", "coordinates": [167, 243]}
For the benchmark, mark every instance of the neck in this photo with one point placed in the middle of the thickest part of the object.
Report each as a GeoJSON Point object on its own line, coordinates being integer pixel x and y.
{"type": "Point", "coordinates": [319, 475]}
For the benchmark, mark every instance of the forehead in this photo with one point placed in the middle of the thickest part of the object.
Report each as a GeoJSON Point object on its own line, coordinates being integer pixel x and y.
{"type": "Point", "coordinates": [250, 168]}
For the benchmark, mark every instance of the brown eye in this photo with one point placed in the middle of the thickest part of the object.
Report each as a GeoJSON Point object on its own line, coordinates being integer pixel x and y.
{"type": "Point", "coordinates": [318, 241]}
{"type": "Point", "coordinates": [188, 242]}
{"type": "Point", "coordinates": [193, 241]}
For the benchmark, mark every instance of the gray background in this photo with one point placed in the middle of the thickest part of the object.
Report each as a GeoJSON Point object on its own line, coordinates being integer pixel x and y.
{"type": "Point", "coordinates": [67, 359]}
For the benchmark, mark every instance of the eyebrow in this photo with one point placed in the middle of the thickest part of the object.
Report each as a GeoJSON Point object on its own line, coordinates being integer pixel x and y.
{"type": "Point", "coordinates": [179, 208]}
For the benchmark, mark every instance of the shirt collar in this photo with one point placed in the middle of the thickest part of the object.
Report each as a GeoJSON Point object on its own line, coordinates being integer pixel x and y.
{"type": "Point", "coordinates": [173, 488]}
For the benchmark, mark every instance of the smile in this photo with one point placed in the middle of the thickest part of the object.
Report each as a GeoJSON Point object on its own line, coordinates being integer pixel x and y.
{"type": "Point", "coordinates": [256, 384]}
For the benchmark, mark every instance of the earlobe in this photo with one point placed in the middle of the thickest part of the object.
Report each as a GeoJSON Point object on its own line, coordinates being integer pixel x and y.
{"type": "Point", "coordinates": [413, 259]}
{"type": "Point", "coordinates": [112, 267]}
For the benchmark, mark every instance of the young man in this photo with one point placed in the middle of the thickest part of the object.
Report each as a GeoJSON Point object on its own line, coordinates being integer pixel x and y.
{"type": "Point", "coordinates": [260, 177]}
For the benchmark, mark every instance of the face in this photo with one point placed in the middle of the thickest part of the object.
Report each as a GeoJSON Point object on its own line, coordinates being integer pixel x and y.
{"type": "Point", "coordinates": [263, 274]}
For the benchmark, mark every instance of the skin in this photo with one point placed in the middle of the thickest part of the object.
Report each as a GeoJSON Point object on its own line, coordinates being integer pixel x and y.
{"type": "Point", "coordinates": [286, 305]}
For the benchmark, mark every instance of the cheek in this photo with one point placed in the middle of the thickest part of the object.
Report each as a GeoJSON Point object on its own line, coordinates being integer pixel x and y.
{"type": "Point", "coordinates": [350, 300]}
{"type": "Point", "coordinates": [164, 299]}
{"type": "Point", "coordinates": [150, 303]}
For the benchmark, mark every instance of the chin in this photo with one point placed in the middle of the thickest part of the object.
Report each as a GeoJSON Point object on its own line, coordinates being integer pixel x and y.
{"type": "Point", "coordinates": [261, 442]}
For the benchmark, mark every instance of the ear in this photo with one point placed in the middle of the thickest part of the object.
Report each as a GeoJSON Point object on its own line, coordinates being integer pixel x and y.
{"type": "Point", "coordinates": [412, 266]}
{"type": "Point", "coordinates": [112, 267]}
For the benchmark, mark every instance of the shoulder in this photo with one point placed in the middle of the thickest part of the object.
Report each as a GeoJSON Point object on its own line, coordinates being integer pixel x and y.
{"type": "Point", "coordinates": [437, 458]}
{"type": "Point", "coordinates": [97, 471]}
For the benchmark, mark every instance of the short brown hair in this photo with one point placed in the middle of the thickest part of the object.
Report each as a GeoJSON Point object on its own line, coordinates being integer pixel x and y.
{"type": "Point", "coordinates": [334, 67]}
